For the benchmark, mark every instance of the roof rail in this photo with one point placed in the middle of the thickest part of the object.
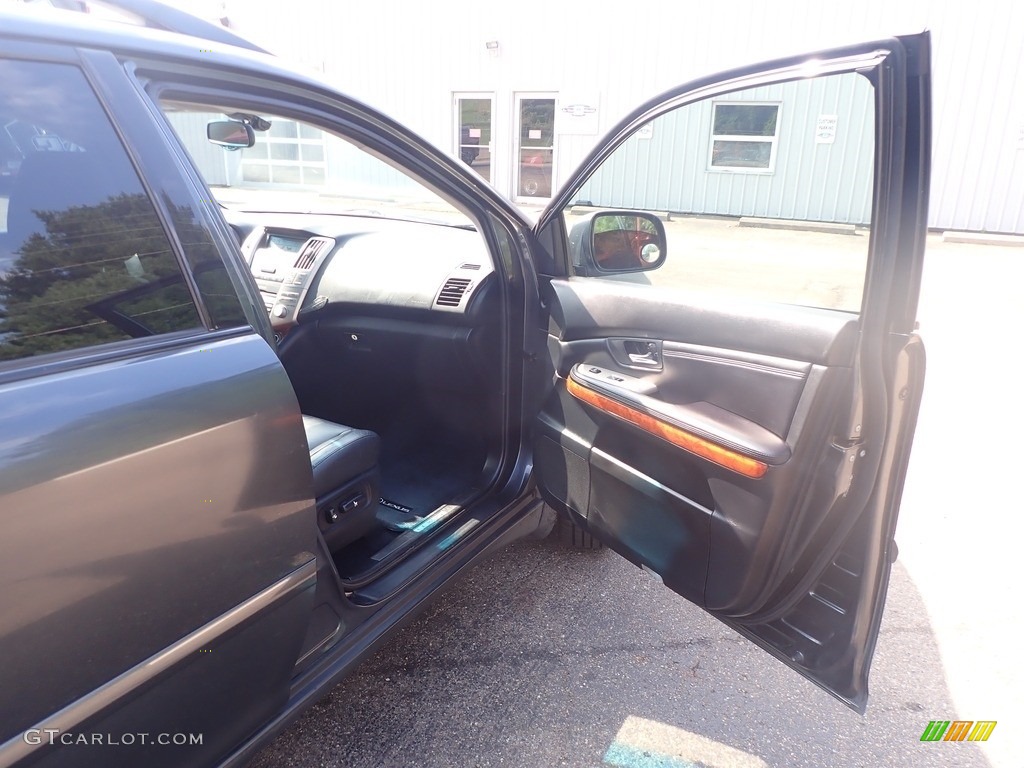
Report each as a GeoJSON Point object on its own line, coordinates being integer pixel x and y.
{"type": "Point", "coordinates": [159, 16]}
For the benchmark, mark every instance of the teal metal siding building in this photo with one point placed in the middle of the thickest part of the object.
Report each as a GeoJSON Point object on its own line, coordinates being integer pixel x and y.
{"type": "Point", "coordinates": [753, 173]}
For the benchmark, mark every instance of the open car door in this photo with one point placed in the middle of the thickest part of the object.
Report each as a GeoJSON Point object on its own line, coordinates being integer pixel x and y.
{"type": "Point", "coordinates": [730, 406]}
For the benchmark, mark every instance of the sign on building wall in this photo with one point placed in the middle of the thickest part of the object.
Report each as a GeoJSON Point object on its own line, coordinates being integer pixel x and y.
{"type": "Point", "coordinates": [578, 114]}
{"type": "Point", "coordinates": [825, 131]}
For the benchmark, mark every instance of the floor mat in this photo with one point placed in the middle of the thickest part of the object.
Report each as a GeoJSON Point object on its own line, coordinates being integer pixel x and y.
{"type": "Point", "coordinates": [424, 480]}
{"type": "Point", "coordinates": [396, 517]}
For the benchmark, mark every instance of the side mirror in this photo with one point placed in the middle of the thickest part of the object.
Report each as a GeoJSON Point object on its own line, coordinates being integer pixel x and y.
{"type": "Point", "coordinates": [618, 241]}
{"type": "Point", "coordinates": [231, 134]}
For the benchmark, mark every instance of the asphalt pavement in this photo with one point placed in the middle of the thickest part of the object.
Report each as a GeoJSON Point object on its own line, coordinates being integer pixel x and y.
{"type": "Point", "coordinates": [550, 657]}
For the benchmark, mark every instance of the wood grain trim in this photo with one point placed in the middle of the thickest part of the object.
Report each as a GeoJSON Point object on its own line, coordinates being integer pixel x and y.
{"type": "Point", "coordinates": [698, 446]}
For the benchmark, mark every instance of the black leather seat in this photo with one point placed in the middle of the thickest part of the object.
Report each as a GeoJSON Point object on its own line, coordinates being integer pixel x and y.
{"type": "Point", "coordinates": [345, 479]}
{"type": "Point", "coordinates": [338, 453]}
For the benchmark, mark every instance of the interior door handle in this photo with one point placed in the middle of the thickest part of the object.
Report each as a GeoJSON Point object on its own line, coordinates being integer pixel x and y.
{"type": "Point", "coordinates": [643, 353]}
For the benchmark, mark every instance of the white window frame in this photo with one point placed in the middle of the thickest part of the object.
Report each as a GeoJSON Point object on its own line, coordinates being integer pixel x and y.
{"type": "Point", "coordinates": [772, 140]}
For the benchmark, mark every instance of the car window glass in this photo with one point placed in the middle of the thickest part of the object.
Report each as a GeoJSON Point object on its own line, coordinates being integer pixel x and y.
{"type": "Point", "coordinates": [84, 259]}
{"type": "Point", "coordinates": [293, 166]}
{"type": "Point", "coordinates": [766, 192]}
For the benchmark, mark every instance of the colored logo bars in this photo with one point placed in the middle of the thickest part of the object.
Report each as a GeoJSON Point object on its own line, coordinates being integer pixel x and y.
{"type": "Point", "coordinates": [958, 730]}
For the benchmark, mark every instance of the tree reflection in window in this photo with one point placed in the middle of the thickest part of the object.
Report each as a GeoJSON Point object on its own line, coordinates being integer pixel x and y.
{"type": "Point", "coordinates": [51, 297]}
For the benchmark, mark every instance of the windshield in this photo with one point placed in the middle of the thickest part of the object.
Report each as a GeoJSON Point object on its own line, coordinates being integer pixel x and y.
{"type": "Point", "coordinates": [294, 167]}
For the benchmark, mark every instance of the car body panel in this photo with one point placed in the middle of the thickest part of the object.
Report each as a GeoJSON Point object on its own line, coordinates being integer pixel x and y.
{"type": "Point", "coordinates": [146, 495]}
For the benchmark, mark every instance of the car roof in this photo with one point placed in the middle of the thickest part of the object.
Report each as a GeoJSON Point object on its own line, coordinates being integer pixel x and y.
{"type": "Point", "coordinates": [81, 30]}
{"type": "Point", "coordinates": [85, 30]}
{"type": "Point", "coordinates": [150, 14]}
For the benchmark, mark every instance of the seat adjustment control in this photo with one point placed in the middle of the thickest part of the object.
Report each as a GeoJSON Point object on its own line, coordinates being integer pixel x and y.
{"type": "Point", "coordinates": [353, 503]}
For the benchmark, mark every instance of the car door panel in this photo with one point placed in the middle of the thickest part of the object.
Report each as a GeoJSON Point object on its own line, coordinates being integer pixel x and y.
{"type": "Point", "coordinates": [155, 482]}
{"type": "Point", "coordinates": [720, 537]}
{"type": "Point", "coordinates": [211, 506]}
{"type": "Point", "coordinates": [708, 443]}
{"type": "Point", "coordinates": [749, 453]}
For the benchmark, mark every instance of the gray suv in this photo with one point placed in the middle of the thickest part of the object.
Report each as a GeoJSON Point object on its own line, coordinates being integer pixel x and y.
{"type": "Point", "coordinates": [274, 372]}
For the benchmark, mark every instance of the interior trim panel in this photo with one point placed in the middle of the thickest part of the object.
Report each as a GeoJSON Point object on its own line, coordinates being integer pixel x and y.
{"type": "Point", "coordinates": [711, 449]}
{"type": "Point", "coordinates": [731, 406]}
{"type": "Point", "coordinates": [582, 308]}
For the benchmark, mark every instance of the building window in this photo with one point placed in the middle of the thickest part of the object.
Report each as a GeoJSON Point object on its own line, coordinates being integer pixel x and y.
{"type": "Point", "coordinates": [744, 136]}
{"type": "Point", "coordinates": [289, 153]}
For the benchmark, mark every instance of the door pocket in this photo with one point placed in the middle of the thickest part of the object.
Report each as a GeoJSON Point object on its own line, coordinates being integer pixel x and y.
{"type": "Point", "coordinates": [650, 524]}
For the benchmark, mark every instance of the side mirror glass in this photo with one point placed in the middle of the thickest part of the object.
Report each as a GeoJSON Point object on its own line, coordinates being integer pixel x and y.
{"type": "Point", "coordinates": [230, 134]}
{"type": "Point", "coordinates": [618, 241]}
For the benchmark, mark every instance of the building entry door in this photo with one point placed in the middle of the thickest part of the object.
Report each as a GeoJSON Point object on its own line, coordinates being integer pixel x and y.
{"type": "Point", "coordinates": [474, 116]}
{"type": "Point", "coordinates": [535, 146]}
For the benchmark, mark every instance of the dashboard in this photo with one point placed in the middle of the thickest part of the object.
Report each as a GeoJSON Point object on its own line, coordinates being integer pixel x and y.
{"type": "Point", "coordinates": [302, 261]}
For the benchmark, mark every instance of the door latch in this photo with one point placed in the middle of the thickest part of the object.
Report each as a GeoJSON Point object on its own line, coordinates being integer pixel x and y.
{"type": "Point", "coordinates": [643, 352]}
{"type": "Point", "coordinates": [636, 353]}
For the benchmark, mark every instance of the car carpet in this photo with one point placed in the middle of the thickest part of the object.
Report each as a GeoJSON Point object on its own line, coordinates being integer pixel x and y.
{"type": "Point", "coordinates": [422, 482]}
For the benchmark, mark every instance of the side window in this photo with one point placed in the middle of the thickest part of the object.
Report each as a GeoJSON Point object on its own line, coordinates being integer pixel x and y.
{"type": "Point", "coordinates": [84, 259]}
{"type": "Point", "coordinates": [766, 192]}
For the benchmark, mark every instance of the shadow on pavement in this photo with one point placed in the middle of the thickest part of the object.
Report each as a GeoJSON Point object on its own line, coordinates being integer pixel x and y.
{"type": "Point", "coordinates": [549, 657]}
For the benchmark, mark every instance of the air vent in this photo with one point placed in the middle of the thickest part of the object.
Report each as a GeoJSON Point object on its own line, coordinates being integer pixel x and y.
{"type": "Point", "coordinates": [452, 292]}
{"type": "Point", "coordinates": [311, 250]}
{"type": "Point", "coordinates": [470, 266]}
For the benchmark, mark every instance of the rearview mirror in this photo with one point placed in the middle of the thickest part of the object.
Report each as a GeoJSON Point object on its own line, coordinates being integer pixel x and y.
{"type": "Point", "coordinates": [618, 241]}
{"type": "Point", "coordinates": [231, 134]}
